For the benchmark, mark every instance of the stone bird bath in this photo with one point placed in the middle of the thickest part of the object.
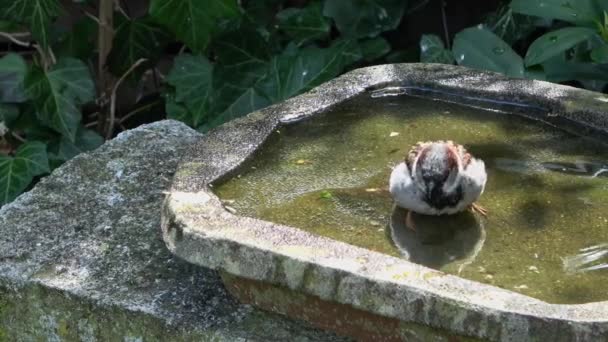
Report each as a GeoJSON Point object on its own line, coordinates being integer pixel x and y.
{"type": "Point", "coordinates": [355, 291]}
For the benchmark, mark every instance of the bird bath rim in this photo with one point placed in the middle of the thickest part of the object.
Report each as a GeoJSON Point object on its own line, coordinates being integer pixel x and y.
{"type": "Point", "coordinates": [197, 227]}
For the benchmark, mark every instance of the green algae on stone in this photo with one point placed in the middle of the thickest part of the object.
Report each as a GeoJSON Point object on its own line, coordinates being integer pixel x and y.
{"type": "Point", "coordinates": [537, 214]}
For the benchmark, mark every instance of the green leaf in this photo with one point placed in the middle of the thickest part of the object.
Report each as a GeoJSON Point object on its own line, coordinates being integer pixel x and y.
{"type": "Point", "coordinates": [559, 70]}
{"type": "Point", "coordinates": [64, 149]}
{"type": "Point", "coordinates": [17, 172]}
{"type": "Point", "coordinates": [374, 48]}
{"type": "Point", "coordinates": [78, 42]}
{"type": "Point", "coordinates": [509, 26]}
{"type": "Point", "coordinates": [304, 25]}
{"type": "Point", "coordinates": [192, 78]}
{"type": "Point", "coordinates": [36, 14]}
{"type": "Point", "coordinates": [8, 114]}
{"type": "Point", "coordinates": [34, 155]}
{"type": "Point", "coordinates": [134, 40]}
{"type": "Point", "coordinates": [293, 72]}
{"type": "Point", "coordinates": [432, 50]}
{"type": "Point", "coordinates": [242, 48]}
{"type": "Point", "coordinates": [12, 74]}
{"type": "Point", "coordinates": [193, 21]}
{"type": "Point", "coordinates": [479, 48]}
{"type": "Point", "coordinates": [600, 54]}
{"type": "Point", "coordinates": [177, 111]}
{"type": "Point", "coordinates": [249, 101]}
{"type": "Point", "coordinates": [58, 94]}
{"type": "Point", "coordinates": [262, 12]}
{"type": "Point", "coordinates": [365, 18]}
{"type": "Point", "coordinates": [555, 42]}
{"type": "Point", "coordinates": [573, 11]}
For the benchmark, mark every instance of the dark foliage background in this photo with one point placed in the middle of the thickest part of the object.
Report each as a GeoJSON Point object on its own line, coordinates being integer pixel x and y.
{"type": "Point", "coordinates": [74, 73]}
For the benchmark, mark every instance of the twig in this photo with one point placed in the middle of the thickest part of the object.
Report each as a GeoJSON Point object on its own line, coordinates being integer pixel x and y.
{"type": "Point", "coordinates": [417, 6]}
{"type": "Point", "coordinates": [15, 40]}
{"type": "Point", "coordinates": [137, 110]}
{"type": "Point", "coordinates": [112, 118]}
{"type": "Point", "coordinates": [43, 55]}
{"type": "Point", "coordinates": [92, 17]}
{"type": "Point", "coordinates": [18, 137]}
{"type": "Point", "coordinates": [121, 10]}
{"type": "Point", "coordinates": [444, 19]}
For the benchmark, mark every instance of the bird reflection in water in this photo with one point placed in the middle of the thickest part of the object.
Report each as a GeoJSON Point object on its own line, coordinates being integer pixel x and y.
{"type": "Point", "coordinates": [438, 240]}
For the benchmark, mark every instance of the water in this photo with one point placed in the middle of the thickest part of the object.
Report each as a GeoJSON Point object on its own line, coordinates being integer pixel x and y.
{"type": "Point", "coordinates": [546, 193]}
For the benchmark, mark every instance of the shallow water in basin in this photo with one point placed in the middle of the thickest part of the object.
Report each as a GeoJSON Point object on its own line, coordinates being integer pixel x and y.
{"type": "Point", "coordinates": [545, 194]}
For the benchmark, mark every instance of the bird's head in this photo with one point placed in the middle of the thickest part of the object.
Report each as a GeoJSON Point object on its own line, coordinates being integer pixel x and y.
{"type": "Point", "coordinates": [436, 168]}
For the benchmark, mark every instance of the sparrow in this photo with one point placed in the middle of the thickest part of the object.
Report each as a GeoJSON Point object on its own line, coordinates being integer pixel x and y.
{"type": "Point", "coordinates": [438, 178]}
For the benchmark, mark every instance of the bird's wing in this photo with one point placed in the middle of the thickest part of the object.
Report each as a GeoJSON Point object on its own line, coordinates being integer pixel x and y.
{"type": "Point", "coordinates": [474, 180]}
{"type": "Point", "coordinates": [413, 153]}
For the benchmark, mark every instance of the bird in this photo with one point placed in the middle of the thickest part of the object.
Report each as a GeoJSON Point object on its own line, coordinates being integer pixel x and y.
{"type": "Point", "coordinates": [438, 178]}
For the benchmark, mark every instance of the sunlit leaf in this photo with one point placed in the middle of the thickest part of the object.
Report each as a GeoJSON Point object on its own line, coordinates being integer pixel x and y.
{"type": "Point", "coordinates": [59, 93]}
{"type": "Point", "coordinates": [479, 48]}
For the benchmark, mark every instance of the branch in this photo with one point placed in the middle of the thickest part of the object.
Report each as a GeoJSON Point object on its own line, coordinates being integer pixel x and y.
{"type": "Point", "coordinates": [15, 40]}
{"type": "Point", "coordinates": [113, 97]}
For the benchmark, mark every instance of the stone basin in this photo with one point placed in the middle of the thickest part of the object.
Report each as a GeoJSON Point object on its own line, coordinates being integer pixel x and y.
{"type": "Point", "coordinates": [355, 291]}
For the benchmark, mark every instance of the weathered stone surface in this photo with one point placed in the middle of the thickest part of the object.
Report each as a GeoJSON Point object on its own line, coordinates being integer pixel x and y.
{"type": "Point", "coordinates": [198, 228]}
{"type": "Point", "coordinates": [81, 256]}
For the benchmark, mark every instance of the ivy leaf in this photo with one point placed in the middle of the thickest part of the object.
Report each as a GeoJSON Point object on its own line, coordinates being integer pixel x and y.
{"type": "Point", "coordinates": [249, 100]}
{"type": "Point", "coordinates": [293, 72]}
{"type": "Point", "coordinates": [192, 78]}
{"type": "Point", "coordinates": [36, 14]}
{"type": "Point", "coordinates": [432, 50]}
{"type": "Point", "coordinates": [64, 149]}
{"type": "Point", "coordinates": [12, 73]}
{"type": "Point", "coordinates": [136, 39]}
{"type": "Point", "coordinates": [479, 48]}
{"type": "Point", "coordinates": [303, 25]}
{"type": "Point", "coordinates": [34, 155]}
{"type": "Point", "coordinates": [192, 21]}
{"type": "Point", "coordinates": [510, 26]}
{"type": "Point", "coordinates": [58, 94]}
{"type": "Point", "coordinates": [17, 172]}
{"type": "Point", "coordinates": [573, 11]}
{"type": "Point", "coordinates": [365, 18]}
{"type": "Point", "coordinates": [78, 42]}
{"type": "Point", "coordinates": [372, 49]}
{"type": "Point", "coordinates": [555, 42]}
{"type": "Point", "coordinates": [244, 48]}
{"type": "Point", "coordinates": [8, 114]}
